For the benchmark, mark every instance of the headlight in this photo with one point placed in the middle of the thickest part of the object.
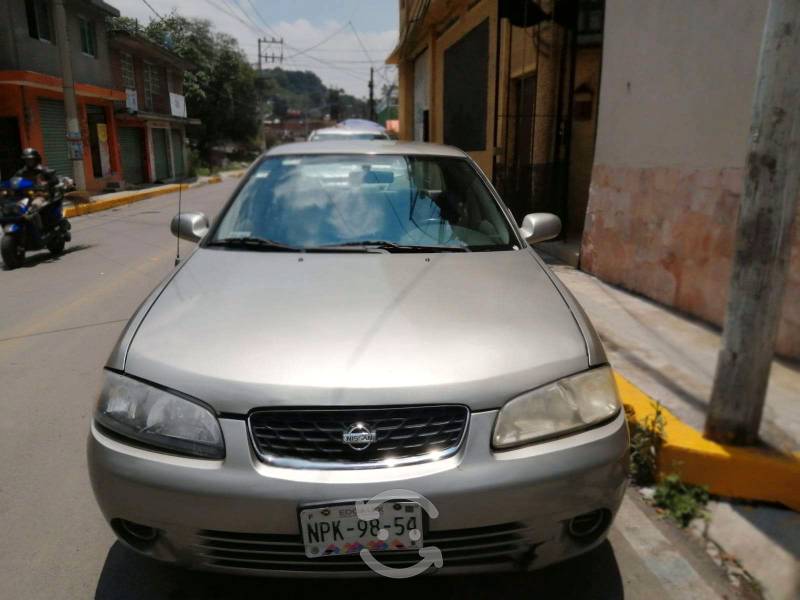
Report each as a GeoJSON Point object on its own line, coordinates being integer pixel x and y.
{"type": "Point", "coordinates": [566, 406]}
{"type": "Point", "coordinates": [157, 418]}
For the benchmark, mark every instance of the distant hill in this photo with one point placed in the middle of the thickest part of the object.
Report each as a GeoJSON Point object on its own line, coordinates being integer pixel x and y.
{"type": "Point", "coordinates": [304, 91]}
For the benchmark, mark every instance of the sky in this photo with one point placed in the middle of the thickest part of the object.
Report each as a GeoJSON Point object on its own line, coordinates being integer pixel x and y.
{"type": "Point", "coordinates": [336, 25]}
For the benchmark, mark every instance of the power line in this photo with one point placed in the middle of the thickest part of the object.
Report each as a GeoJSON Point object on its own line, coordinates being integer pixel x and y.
{"type": "Point", "coordinates": [360, 43]}
{"type": "Point", "coordinates": [318, 44]}
{"type": "Point", "coordinates": [234, 16]}
{"type": "Point", "coordinates": [261, 17]}
{"type": "Point", "coordinates": [258, 31]}
{"type": "Point", "coordinates": [155, 12]}
{"type": "Point", "coordinates": [241, 10]}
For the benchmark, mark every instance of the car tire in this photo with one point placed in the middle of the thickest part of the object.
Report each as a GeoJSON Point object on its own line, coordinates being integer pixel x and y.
{"type": "Point", "coordinates": [12, 252]}
{"type": "Point", "coordinates": [56, 246]}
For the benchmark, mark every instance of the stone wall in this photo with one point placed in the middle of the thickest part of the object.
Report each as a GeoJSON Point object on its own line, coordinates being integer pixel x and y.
{"type": "Point", "coordinates": [668, 233]}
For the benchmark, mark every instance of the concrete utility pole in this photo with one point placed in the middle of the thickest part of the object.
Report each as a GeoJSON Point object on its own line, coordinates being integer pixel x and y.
{"type": "Point", "coordinates": [269, 44]}
{"type": "Point", "coordinates": [371, 93]}
{"type": "Point", "coordinates": [766, 212]}
{"type": "Point", "coordinates": [70, 103]}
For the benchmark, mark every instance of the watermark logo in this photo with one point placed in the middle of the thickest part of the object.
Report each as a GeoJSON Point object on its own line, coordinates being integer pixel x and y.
{"type": "Point", "coordinates": [429, 556]}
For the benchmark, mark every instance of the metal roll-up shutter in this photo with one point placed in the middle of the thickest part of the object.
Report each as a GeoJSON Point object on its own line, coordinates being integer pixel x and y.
{"type": "Point", "coordinates": [160, 153]}
{"type": "Point", "coordinates": [177, 153]}
{"type": "Point", "coordinates": [53, 120]}
{"type": "Point", "coordinates": [130, 145]}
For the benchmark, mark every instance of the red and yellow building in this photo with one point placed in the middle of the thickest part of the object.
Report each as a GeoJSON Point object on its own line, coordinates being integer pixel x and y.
{"type": "Point", "coordinates": [129, 94]}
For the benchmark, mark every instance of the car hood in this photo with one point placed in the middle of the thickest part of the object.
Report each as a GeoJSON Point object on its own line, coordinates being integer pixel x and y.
{"type": "Point", "coordinates": [243, 329]}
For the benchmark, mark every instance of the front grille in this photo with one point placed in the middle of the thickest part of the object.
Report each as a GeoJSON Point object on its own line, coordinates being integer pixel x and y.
{"type": "Point", "coordinates": [315, 437]}
{"type": "Point", "coordinates": [510, 544]}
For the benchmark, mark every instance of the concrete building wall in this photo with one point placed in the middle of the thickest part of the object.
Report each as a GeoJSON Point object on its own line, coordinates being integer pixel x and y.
{"type": "Point", "coordinates": [678, 81]}
{"type": "Point", "coordinates": [8, 53]}
{"type": "Point", "coordinates": [675, 103]}
{"type": "Point", "coordinates": [20, 52]}
{"type": "Point", "coordinates": [89, 69]}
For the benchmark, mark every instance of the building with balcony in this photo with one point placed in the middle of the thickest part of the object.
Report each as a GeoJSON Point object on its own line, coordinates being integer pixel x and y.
{"type": "Point", "coordinates": [31, 89]}
{"type": "Point", "coordinates": [152, 119]}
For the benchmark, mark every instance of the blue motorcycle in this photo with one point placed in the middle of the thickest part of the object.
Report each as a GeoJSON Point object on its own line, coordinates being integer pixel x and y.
{"type": "Point", "coordinates": [27, 227]}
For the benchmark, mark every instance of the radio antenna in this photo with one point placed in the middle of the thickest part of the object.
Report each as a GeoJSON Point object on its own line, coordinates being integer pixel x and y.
{"type": "Point", "coordinates": [178, 238]}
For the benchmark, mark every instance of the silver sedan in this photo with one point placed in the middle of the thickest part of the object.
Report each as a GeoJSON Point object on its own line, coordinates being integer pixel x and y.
{"type": "Point", "coordinates": [363, 367]}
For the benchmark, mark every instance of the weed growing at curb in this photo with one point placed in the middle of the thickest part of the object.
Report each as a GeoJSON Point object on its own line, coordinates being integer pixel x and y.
{"type": "Point", "coordinates": [681, 501]}
{"type": "Point", "coordinates": [646, 440]}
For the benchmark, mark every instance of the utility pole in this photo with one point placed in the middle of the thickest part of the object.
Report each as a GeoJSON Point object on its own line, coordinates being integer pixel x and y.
{"type": "Point", "coordinates": [270, 53]}
{"type": "Point", "coordinates": [371, 93]}
{"type": "Point", "coordinates": [766, 212]}
{"type": "Point", "coordinates": [70, 103]}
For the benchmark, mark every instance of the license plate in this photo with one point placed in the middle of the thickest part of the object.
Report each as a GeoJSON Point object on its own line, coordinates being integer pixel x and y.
{"type": "Point", "coordinates": [337, 530]}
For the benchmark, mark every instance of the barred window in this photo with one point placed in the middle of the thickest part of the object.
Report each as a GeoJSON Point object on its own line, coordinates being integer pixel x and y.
{"type": "Point", "coordinates": [152, 85]}
{"type": "Point", "coordinates": [128, 72]}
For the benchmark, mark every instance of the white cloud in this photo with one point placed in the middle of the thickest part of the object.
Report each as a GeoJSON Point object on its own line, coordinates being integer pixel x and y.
{"type": "Point", "coordinates": [339, 62]}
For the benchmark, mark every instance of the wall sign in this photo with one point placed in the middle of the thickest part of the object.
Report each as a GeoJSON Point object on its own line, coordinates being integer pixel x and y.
{"type": "Point", "coordinates": [177, 105]}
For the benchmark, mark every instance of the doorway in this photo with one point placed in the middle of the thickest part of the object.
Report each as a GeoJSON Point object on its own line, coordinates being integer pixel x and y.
{"type": "Point", "coordinates": [98, 141]}
{"type": "Point", "coordinates": [10, 147]}
{"type": "Point", "coordinates": [517, 179]}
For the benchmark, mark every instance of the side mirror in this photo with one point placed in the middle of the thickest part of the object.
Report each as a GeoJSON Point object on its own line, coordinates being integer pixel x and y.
{"type": "Point", "coordinates": [538, 227]}
{"type": "Point", "coordinates": [189, 226]}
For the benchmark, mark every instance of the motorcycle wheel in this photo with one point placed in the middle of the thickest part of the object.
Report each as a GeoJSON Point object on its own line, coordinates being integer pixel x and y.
{"type": "Point", "coordinates": [12, 252]}
{"type": "Point", "coordinates": [56, 246]}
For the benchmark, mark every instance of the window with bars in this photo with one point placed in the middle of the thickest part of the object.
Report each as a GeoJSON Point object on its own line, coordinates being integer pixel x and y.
{"type": "Point", "coordinates": [88, 37]}
{"type": "Point", "coordinates": [152, 85]}
{"type": "Point", "coordinates": [127, 70]}
{"type": "Point", "coordinates": [38, 15]}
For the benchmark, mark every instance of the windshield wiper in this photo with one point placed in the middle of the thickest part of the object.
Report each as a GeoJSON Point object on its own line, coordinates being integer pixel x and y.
{"type": "Point", "coordinates": [255, 243]}
{"type": "Point", "coordinates": [393, 247]}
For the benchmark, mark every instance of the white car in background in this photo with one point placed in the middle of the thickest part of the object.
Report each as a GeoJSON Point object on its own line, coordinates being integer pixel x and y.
{"type": "Point", "coordinates": [344, 134]}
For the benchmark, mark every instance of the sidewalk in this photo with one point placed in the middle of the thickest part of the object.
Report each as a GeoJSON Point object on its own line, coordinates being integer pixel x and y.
{"type": "Point", "coordinates": [672, 358]}
{"type": "Point", "coordinates": [115, 199]}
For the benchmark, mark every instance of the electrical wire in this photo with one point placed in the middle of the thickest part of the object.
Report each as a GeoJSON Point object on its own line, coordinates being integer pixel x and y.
{"type": "Point", "coordinates": [318, 44]}
{"type": "Point", "coordinates": [155, 12]}
{"type": "Point", "coordinates": [360, 43]}
{"type": "Point", "coordinates": [234, 16]}
{"type": "Point", "coordinates": [261, 17]}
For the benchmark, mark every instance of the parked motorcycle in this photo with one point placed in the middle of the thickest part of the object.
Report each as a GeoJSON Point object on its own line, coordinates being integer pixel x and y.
{"type": "Point", "coordinates": [22, 231]}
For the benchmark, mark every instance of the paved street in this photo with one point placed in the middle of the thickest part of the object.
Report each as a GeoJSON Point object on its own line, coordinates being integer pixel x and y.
{"type": "Point", "coordinates": [58, 321]}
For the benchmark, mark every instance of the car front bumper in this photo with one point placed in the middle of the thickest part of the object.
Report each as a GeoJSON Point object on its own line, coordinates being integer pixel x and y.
{"type": "Point", "coordinates": [497, 510]}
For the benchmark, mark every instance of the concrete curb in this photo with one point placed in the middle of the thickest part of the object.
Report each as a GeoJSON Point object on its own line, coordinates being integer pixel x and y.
{"type": "Point", "coordinates": [746, 473]}
{"type": "Point", "coordinates": [122, 198]}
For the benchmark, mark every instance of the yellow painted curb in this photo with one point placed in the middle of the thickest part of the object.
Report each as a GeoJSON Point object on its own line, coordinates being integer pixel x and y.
{"type": "Point", "coordinates": [747, 473]}
{"type": "Point", "coordinates": [122, 199]}
{"type": "Point", "coordinates": [130, 197]}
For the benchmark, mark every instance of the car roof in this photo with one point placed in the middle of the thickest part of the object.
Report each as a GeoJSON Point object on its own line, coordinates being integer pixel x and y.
{"type": "Point", "coordinates": [366, 147]}
{"type": "Point", "coordinates": [344, 130]}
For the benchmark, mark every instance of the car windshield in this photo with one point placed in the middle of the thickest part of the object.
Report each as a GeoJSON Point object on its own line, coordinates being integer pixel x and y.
{"type": "Point", "coordinates": [323, 136]}
{"type": "Point", "coordinates": [394, 202]}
